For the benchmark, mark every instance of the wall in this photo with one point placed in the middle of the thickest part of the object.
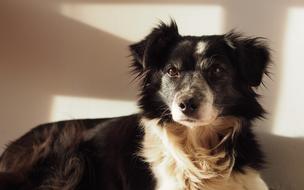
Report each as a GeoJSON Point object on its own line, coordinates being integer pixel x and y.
{"type": "Point", "coordinates": [69, 59]}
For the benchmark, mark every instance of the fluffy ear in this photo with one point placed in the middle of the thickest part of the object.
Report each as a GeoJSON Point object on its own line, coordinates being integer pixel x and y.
{"type": "Point", "coordinates": [152, 50]}
{"type": "Point", "coordinates": [252, 54]}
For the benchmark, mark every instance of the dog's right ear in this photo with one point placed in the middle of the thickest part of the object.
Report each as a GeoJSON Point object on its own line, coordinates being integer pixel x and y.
{"type": "Point", "coordinates": [151, 51]}
{"type": "Point", "coordinates": [253, 56]}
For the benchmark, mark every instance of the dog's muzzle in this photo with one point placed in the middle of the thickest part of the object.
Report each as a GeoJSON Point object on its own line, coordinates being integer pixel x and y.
{"type": "Point", "coordinates": [193, 109]}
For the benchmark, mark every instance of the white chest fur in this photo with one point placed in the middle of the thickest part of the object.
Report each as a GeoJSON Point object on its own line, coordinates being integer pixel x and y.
{"type": "Point", "coordinates": [181, 162]}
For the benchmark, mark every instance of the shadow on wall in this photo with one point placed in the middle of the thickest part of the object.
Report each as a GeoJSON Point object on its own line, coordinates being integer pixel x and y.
{"type": "Point", "coordinates": [43, 54]}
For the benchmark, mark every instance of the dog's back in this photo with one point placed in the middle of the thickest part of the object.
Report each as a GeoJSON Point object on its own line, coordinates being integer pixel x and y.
{"type": "Point", "coordinates": [77, 154]}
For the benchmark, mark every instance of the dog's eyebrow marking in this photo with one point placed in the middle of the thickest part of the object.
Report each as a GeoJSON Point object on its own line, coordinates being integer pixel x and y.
{"type": "Point", "coordinates": [200, 47]}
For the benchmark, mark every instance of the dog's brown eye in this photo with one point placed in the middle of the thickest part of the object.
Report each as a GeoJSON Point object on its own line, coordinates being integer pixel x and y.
{"type": "Point", "coordinates": [216, 71]}
{"type": "Point", "coordinates": [173, 72]}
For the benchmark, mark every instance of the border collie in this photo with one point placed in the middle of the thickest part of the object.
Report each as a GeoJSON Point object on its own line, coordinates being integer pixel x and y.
{"type": "Point", "coordinates": [194, 130]}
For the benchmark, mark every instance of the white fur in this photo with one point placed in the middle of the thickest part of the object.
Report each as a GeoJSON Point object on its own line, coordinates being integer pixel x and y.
{"type": "Point", "coordinates": [200, 47]}
{"type": "Point", "coordinates": [165, 148]}
{"type": "Point", "coordinates": [249, 180]}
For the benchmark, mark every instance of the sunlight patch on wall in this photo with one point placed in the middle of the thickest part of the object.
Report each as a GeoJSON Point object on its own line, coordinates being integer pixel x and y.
{"type": "Point", "coordinates": [69, 107]}
{"type": "Point", "coordinates": [289, 118]}
{"type": "Point", "coordinates": [133, 21]}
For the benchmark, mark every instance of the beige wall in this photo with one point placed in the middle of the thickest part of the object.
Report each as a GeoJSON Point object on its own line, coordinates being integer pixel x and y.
{"type": "Point", "coordinates": [68, 59]}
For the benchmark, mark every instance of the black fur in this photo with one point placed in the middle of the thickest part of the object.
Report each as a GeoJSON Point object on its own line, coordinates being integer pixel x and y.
{"type": "Point", "coordinates": [103, 153]}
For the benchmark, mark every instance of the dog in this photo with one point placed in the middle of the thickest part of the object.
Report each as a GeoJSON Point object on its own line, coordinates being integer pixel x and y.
{"type": "Point", "coordinates": [193, 132]}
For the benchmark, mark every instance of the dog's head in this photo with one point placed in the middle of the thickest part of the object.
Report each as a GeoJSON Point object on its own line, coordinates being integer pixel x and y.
{"type": "Point", "coordinates": [193, 80]}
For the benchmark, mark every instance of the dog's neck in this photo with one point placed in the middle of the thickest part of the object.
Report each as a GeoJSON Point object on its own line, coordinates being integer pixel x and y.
{"type": "Point", "coordinates": [189, 158]}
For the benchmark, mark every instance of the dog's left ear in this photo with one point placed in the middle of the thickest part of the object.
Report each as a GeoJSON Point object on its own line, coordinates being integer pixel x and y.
{"type": "Point", "coordinates": [253, 57]}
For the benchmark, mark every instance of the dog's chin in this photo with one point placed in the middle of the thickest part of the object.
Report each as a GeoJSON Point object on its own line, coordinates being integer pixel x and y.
{"type": "Point", "coordinates": [193, 123]}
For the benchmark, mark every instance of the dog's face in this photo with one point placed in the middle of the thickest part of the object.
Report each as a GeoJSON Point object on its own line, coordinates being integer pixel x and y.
{"type": "Point", "coordinates": [193, 80]}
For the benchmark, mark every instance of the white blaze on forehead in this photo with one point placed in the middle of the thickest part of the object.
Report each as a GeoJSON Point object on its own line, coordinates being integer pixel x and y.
{"type": "Point", "coordinates": [200, 47]}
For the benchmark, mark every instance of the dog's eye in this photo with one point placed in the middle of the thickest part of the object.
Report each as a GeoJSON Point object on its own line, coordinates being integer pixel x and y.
{"type": "Point", "coordinates": [216, 71]}
{"type": "Point", "coordinates": [173, 72]}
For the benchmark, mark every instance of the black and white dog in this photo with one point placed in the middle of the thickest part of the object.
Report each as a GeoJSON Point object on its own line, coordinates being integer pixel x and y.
{"type": "Point", "coordinates": [193, 131]}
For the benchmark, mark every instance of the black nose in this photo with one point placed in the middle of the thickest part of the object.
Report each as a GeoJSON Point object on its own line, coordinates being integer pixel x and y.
{"type": "Point", "coordinates": [188, 106]}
